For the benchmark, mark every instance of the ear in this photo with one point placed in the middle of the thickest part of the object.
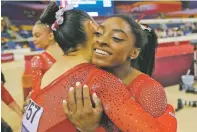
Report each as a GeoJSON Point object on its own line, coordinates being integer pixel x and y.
{"type": "Point", "coordinates": [93, 25]}
{"type": "Point", "coordinates": [134, 53]}
{"type": "Point", "coordinates": [51, 36]}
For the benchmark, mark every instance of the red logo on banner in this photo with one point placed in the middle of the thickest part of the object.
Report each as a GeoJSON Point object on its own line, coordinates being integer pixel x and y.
{"type": "Point", "coordinates": [7, 57]}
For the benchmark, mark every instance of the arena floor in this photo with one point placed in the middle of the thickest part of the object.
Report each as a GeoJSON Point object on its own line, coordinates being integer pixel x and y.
{"type": "Point", "coordinates": [187, 118]}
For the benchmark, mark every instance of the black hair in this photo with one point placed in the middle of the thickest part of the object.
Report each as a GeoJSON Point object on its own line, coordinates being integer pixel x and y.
{"type": "Point", "coordinates": [2, 78]}
{"type": "Point", "coordinates": [146, 58]}
{"type": "Point", "coordinates": [146, 40]}
{"type": "Point", "coordinates": [72, 31]}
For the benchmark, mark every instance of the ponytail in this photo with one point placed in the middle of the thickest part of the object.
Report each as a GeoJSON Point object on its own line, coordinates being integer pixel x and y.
{"type": "Point", "coordinates": [145, 62]}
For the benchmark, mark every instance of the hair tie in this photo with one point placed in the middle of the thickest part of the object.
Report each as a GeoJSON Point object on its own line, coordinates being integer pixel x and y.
{"type": "Point", "coordinates": [59, 16]}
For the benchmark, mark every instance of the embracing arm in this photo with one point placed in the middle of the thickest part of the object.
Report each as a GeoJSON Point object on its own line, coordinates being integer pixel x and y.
{"type": "Point", "coordinates": [125, 112]}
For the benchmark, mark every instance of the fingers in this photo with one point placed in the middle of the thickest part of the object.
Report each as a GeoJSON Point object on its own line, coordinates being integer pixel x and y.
{"type": "Point", "coordinates": [66, 110]}
{"type": "Point", "coordinates": [27, 101]}
{"type": "Point", "coordinates": [71, 100]}
{"type": "Point", "coordinates": [97, 101]}
{"type": "Point", "coordinates": [65, 106]}
{"type": "Point", "coordinates": [86, 99]}
{"type": "Point", "coordinates": [30, 93]}
{"type": "Point", "coordinates": [79, 100]}
{"type": "Point", "coordinates": [24, 109]}
{"type": "Point", "coordinates": [28, 97]}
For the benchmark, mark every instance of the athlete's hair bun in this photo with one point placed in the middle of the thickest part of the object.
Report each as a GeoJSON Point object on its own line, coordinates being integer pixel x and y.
{"type": "Point", "coordinates": [48, 15]}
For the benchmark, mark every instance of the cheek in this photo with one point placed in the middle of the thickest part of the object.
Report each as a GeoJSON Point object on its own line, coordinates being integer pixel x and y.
{"type": "Point", "coordinates": [95, 39]}
{"type": "Point", "coordinates": [43, 39]}
{"type": "Point", "coordinates": [119, 58]}
{"type": "Point", "coordinates": [40, 41]}
{"type": "Point", "coordinates": [120, 54]}
{"type": "Point", "coordinates": [94, 42]}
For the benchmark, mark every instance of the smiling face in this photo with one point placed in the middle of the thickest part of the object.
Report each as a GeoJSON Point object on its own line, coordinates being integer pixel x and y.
{"type": "Point", "coordinates": [114, 43]}
{"type": "Point", "coordinates": [42, 36]}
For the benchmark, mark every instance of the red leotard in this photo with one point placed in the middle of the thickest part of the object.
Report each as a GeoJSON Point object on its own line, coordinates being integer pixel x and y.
{"type": "Point", "coordinates": [138, 115]}
{"type": "Point", "coordinates": [117, 102]}
{"type": "Point", "coordinates": [5, 95]}
{"type": "Point", "coordinates": [151, 96]}
{"type": "Point", "coordinates": [40, 64]}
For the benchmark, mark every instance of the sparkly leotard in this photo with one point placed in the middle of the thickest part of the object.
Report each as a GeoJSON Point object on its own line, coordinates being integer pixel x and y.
{"type": "Point", "coordinates": [40, 64]}
{"type": "Point", "coordinates": [150, 95]}
{"type": "Point", "coordinates": [119, 106]}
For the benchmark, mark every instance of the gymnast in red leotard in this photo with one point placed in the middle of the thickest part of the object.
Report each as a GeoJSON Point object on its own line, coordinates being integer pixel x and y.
{"type": "Point", "coordinates": [118, 42]}
{"type": "Point", "coordinates": [74, 36]}
{"type": "Point", "coordinates": [73, 32]}
{"type": "Point", "coordinates": [43, 38]}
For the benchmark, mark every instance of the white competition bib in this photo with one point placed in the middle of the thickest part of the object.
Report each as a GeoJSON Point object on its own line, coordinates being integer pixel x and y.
{"type": "Point", "coordinates": [31, 117]}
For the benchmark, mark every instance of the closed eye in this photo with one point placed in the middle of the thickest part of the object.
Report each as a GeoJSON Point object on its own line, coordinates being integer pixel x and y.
{"type": "Point", "coordinates": [117, 39]}
{"type": "Point", "coordinates": [97, 34]}
{"type": "Point", "coordinates": [36, 35]}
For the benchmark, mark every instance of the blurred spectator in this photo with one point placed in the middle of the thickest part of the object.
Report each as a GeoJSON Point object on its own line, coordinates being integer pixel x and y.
{"type": "Point", "coordinates": [179, 30]}
{"type": "Point", "coordinates": [4, 24]}
{"type": "Point", "coordinates": [10, 33]}
{"type": "Point", "coordinates": [5, 29]}
{"type": "Point", "coordinates": [6, 34]}
{"type": "Point", "coordinates": [194, 28]}
{"type": "Point", "coordinates": [162, 26]}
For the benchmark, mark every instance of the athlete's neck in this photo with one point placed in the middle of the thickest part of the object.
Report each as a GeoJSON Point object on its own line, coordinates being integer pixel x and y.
{"type": "Point", "coordinates": [122, 71]}
{"type": "Point", "coordinates": [54, 50]}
